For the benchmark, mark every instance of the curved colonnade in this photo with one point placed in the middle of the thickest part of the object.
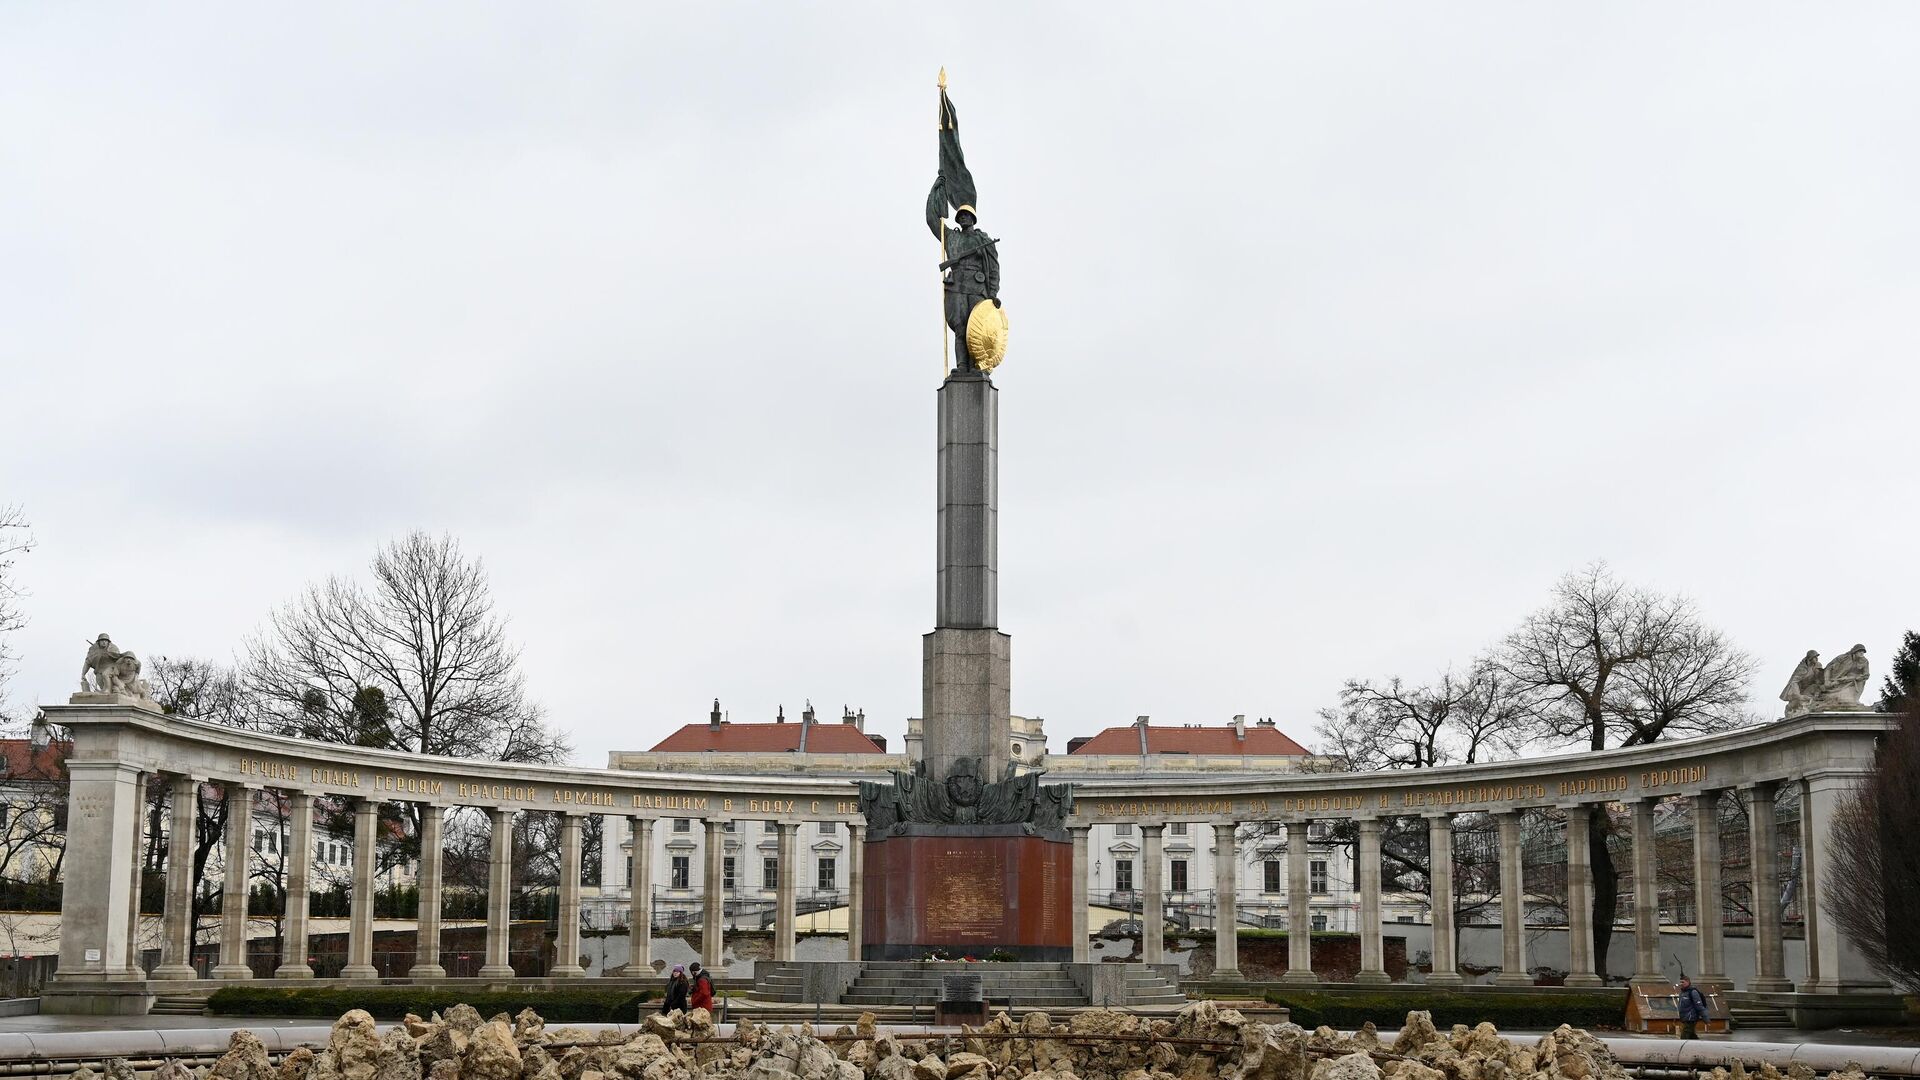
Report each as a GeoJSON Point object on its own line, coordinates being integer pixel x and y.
{"type": "Point", "coordinates": [120, 750]}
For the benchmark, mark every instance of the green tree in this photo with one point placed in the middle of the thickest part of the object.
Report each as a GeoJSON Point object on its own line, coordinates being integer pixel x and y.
{"type": "Point", "coordinates": [1902, 683]}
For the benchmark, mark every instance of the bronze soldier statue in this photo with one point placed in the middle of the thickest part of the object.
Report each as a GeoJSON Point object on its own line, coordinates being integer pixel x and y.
{"type": "Point", "coordinates": [969, 258]}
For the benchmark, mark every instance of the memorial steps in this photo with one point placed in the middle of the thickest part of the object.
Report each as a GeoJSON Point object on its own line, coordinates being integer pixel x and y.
{"type": "Point", "coordinates": [1017, 985]}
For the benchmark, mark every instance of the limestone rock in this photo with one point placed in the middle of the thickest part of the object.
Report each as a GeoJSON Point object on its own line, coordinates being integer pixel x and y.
{"type": "Point", "coordinates": [1368, 1037]}
{"type": "Point", "coordinates": [415, 1026]}
{"type": "Point", "coordinates": [464, 1019]}
{"type": "Point", "coordinates": [447, 1069]}
{"type": "Point", "coordinates": [173, 1070]}
{"type": "Point", "coordinates": [965, 1066]}
{"type": "Point", "coordinates": [83, 1073]}
{"type": "Point", "coordinates": [1416, 1033]}
{"type": "Point", "coordinates": [442, 1042]}
{"type": "Point", "coordinates": [930, 1068]}
{"type": "Point", "coordinates": [1355, 1066]}
{"type": "Point", "coordinates": [896, 1067]}
{"type": "Point", "coordinates": [245, 1059]}
{"type": "Point", "coordinates": [527, 1026]}
{"type": "Point", "coordinates": [665, 1025]}
{"type": "Point", "coordinates": [1276, 1052]}
{"type": "Point", "coordinates": [355, 1046]}
{"type": "Point", "coordinates": [1567, 1053]}
{"type": "Point", "coordinates": [491, 1054]}
{"type": "Point", "coordinates": [118, 1069]}
{"type": "Point", "coordinates": [297, 1065]}
{"type": "Point", "coordinates": [1410, 1070]}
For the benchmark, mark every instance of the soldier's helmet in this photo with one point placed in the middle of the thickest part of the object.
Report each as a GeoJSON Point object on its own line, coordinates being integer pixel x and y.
{"type": "Point", "coordinates": [966, 209]}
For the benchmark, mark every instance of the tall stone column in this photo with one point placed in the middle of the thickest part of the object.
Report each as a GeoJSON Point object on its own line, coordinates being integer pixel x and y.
{"type": "Point", "coordinates": [1299, 908]}
{"type": "Point", "coordinates": [856, 886]}
{"type": "Point", "coordinates": [1226, 909]}
{"type": "Point", "coordinates": [714, 928]}
{"type": "Point", "coordinates": [1770, 958]}
{"type": "Point", "coordinates": [1082, 947]}
{"type": "Point", "coordinates": [1153, 911]}
{"type": "Point", "coordinates": [134, 967]}
{"type": "Point", "coordinates": [102, 821]}
{"type": "Point", "coordinates": [499, 963]}
{"type": "Point", "coordinates": [176, 919]}
{"type": "Point", "coordinates": [1708, 917]}
{"type": "Point", "coordinates": [640, 898]}
{"type": "Point", "coordinates": [1373, 967]}
{"type": "Point", "coordinates": [426, 952]}
{"type": "Point", "coordinates": [234, 879]}
{"type": "Point", "coordinates": [566, 943]}
{"type": "Point", "coordinates": [1834, 964]}
{"type": "Point", "coordinates": [1513, 905]}
{"type": "Point", "coordinates": [366, 820]}
{"type": "Point", "coordinates": [299, 859]}
{"type": "Point", "coordinates": [1580, 898]}
{"type": "Point", "coordinates": [1646, 895]}
{"type": "Point", "coordinates": [787, 892]}
{"type": "Point", "coordinates": [1446, 970]}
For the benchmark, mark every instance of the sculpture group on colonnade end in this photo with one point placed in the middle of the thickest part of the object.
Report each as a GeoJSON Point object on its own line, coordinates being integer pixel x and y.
{"type": "Point", "coordinates": [1836, 686]}
{"type": "Point", "coordinates": [114, 672]}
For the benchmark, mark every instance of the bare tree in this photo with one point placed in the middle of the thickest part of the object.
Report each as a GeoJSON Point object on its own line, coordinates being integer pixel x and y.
{"type": "Point", "coordinates": [1605, 664]}
{"type": "Point", "coordinates": [1876, 857]}
{"type": "Point", "coordinates": [1457, 718]}
{"type": "Point", "coordinates": [15, 541]}
{"type": "Point", "coordinates": [424, 635]}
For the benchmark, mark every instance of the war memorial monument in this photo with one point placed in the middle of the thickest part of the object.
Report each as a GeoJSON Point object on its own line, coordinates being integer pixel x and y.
{"type": "Point", "coordinates": [959, 852]}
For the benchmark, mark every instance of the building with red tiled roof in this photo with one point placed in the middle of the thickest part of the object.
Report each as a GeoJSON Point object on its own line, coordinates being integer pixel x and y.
{"type": "Point", "coordinates": [1238, 739]}
{"type": "Point", "coordinates": [806, 737]}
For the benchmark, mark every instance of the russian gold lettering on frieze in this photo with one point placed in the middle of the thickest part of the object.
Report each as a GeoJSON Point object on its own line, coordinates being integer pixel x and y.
{"type": "Point", "coordinates": [670, 802]}
{"type": "Point", "coordinates": [570, 797]}
{"type": "Point", "coordinates": [1593, 785]}
{"type": "Point", "coordinates": [408, 785]}
{"type": "Point", "coordinates": [337, 778]}
{"type": "Point", "coordinates": [271, 770]}
{"type": "Point", "coordinates": [1475, 794]}
{"type": "Point", "coordinates": [1691, 774]}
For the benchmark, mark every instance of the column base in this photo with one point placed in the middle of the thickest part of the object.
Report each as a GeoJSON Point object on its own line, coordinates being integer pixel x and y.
{"type": "Point", "coordinates": [233, 971]}
{"type": "Point", "coordinates": [1512, 978]}
{"type": "Point", "coordinates": [1713, 982]}
{"type": "Point", "coordinates": [1770, 986]}
{"type": "Point", "coordinates": [567, 971]}
{"type": "Point", "coordinates": [497, 971]}
{"type": "Point", "coordinates": [293, 971]}
{"type": "Point", "coordinates": [1446, 979]}
{"type": "Point", "coordinates": [1372, 978]}
{"type": "Point", "coordinates": [1584, 978]}
{"type": "Point", "coordinates": [1300, 978]}
{"type": "Point", "coordinates": [423, 972]}
{"type": "Point", "coordinates": [359, 971]}
{"type": "Point", "coordinates": [173, 973]}
{"type": "Point", "coordinates": [1228, 975]}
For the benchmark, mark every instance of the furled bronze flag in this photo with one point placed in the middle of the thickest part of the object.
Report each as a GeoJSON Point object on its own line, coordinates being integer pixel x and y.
{"type": "Point", "coordinates": [954, 188]}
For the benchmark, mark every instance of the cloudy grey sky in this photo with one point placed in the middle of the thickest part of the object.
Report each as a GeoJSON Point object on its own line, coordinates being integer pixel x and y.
{"type": "Point", "coordinates": [1339, 332]}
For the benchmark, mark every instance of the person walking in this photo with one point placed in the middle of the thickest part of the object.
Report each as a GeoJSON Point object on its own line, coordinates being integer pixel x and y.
{"type": "Point", "coordinates": [676, 999]}
{"type": "Point", "coordinates": [1693, 1008]}
{"type": "Point", "coordinates": [702, 994]}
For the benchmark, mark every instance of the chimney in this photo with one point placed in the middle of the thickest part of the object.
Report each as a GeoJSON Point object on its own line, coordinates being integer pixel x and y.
{"type": "Point", "coordinates": [713, 718]}
{"type": "Point", "coordinates": [1266, 723]}
{"type": "Point", "coordinates": [806, 725]}
{"type": "Point", "coordinates": [1140, 725]}
{"type": "Point", "coordinates": [1240, 727]}
{"type": "Point", "coordinates": [781, 716]}
{"type": "Point", "coordinates": [806, 713]}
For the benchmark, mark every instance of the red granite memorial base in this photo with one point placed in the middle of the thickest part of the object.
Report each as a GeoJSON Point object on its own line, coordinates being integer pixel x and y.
{"type": "Point", "coordinates": [967, 891]}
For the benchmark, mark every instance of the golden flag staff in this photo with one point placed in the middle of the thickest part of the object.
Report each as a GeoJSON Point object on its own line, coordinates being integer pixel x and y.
{"type": "Point", "coordinates": [946, 361]}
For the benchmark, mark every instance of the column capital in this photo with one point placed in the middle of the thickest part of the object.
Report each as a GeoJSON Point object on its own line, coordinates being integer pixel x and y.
{"type": "Point", "coordinates": [1152, 830]}
{"type": "Point", "coordinates": [1439, 815]}
{"type": "Point", "coordinates": [1080, 830]}
{"type": "Point", "coordinates": [1765, 788]}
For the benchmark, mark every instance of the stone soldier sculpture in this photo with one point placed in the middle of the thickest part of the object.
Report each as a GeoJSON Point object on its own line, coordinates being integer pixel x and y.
{"type": "Point", "coordinates": [969, 258]}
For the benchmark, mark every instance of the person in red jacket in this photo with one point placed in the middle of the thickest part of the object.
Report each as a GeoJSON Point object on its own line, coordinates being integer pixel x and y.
{"type": "Point", "coordinates": [702, 995]}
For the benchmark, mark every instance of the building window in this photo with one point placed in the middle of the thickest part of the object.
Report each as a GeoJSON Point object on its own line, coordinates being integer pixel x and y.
{"type": "Point", "coordinates": [1177, 828]}
{"type": "Point", "coordinates": [1123, 874]}
{"type": "Point", "coordinates": [1404, 919]}
{"type": "Point", "coordinates": [1272, 876]}
{"type": "Point", "coordinates": [829, 828]}
{"type": "Point", "coordinates": [769, 873]}
{"type": "Point", "coordinates": [629, 871]}
{"type": "Point", "coordinates": [1317, 876]}
{"type": "Point", "coordinates": [682, 871]}
{"type": "Point", "coordinates": [1319, 922]}
{"type": "Point", "coordinates": [1179, 875]}
{"type": "Point", "coordinates": [681, 824]}
{"type": "Point", "coordinates": [728, 827]}
{"type": "Point", "coordinates": [1125, 828]}
{"type": "Point", "coordinates": [726, 873]}
{"type": "Point", "coordinates": [826, 875]}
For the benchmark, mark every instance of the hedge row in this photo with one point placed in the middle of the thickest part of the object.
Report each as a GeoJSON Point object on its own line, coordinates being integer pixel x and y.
{"type": "Point", "coordinates": [394, 1002]}
{"type": "Point", "coordinates": [1506, 1011]}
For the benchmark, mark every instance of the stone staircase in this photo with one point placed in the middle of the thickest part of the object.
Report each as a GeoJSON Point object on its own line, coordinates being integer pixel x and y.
{"type": "Point", "coordinates": [777, 982]}
{"type": "Point", "coordinates": [1759, 1015]}
{"type": "Point", "coordinates": [1147, 987]}
{"type": "Point", "coordinates": [184, 1003]}
{"type": "Point", "coordinates": [908, 982]}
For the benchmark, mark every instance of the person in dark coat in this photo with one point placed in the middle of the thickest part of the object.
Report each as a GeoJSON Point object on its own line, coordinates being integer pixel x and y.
{"type": "Point", "coordinates": [701, 996]}
{"type": "Point", "coordinates": [676, 991]}
{"type": "Point", "coordinates": [1693, 1008]}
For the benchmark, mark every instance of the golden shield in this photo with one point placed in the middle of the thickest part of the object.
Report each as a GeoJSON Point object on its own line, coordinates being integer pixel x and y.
{"type": "Point", "coordinates": [987, 335]}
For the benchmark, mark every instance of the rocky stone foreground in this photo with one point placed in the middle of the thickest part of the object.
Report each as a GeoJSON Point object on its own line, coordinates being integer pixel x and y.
{"type": "Point", "coordinates": [1202, 1041]}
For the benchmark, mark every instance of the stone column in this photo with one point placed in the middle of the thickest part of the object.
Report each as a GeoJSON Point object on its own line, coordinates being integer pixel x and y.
{"type": "Point", "coordinates": [640, 898]}
{"type": "Point", "coordinates": [1818, 980]}
{"type": "Point", "coordinates": [1299, 908]}
{"type": "Point", "coordinates": [1153, 912]}
{"type": "Point", "coordinates": [1513, 905]}
{"type": "Point", "coordinates": [1446, 971]}
{"type": "Point", "coordinates": [234, 877]}
{"type": "Point", "coordinates": [102, 822]}
{"type": "Point", "coordinates": [426, 951]}
{"type": "Point", "coordinates": [1082, 948]}
{"type": "Point", "coordinates": [1646, 895]}
{"type": "Point", "coordinates": [856, 886]}
{"type": "Point", "coordinates": [787, 894]}
{"type": "Point", "coordinates": [1770, 959]}
{"type": "Point", "coordinates": [1367, 868]}
{"type": "Point", "coordinates": [176, 920]}
{"type": "Point", "coordinates": [1226, 911]}
{"type": "Point", "coordinates": [1834, 964]}
{"type": "Point", "coordinates": [566, 940]}
{"type": "Point", "coordinates": [714, 927]}
{"type": "Point", "coordinates": [1580, 898]}
{"type": "Point", "coordinates": [299, 859]}
{"type": "Point", "coordinates": [499, 963]}
{"type": "Point", "coordinates": [1708, 920]}
{"type": "Point", "coordinates": [366, 819]}
{"type": "Point", "coordinates": [134, 966]}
